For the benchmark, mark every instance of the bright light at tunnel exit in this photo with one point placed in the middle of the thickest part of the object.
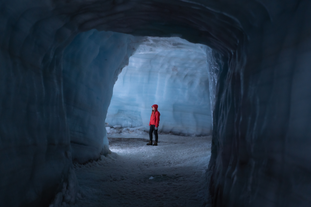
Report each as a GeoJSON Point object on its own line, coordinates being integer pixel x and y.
{"type": "Point", "coordinates": [173, 73]}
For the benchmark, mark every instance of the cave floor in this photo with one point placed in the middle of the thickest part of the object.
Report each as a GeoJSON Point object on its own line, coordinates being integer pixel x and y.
{"type": "Point", "coordinates": [134, 174]}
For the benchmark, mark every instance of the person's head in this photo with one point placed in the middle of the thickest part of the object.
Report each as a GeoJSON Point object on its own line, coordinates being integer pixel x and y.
{"type": "Point", "coordinates": [154, 107]}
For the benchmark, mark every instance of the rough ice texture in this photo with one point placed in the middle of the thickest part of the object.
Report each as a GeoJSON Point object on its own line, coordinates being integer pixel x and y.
{"type": "Point", "coordinates": [35, 153]}
{"type": "Point", "coordinates": [262, 134]}
{"type": "Point", "coordinates": [261, 130]}
{"type": "Point", "coordinates": [172, 73]}
{"type": "Point", "coordinates": [91, 66]}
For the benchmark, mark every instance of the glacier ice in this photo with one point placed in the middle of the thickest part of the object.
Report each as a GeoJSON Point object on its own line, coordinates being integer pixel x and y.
{"type": "Point", "coordinates": [261, 119]}
{"type": "Point", "coordinates": [91, 64]}
{"type": "Point", "coordinates": [172, 73]}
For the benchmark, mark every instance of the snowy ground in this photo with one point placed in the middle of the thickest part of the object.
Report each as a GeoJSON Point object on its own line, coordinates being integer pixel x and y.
{"type": "Point", "coordinates": [134, 174]}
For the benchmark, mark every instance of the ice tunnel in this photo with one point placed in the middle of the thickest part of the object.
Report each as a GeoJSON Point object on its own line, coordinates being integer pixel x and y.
{"type": "Point", "coordinates": [60, 60]}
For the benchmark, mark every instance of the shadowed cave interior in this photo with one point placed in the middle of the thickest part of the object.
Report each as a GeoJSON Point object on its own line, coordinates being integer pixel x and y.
{"type": "Point", "coordinates": [61, 59]}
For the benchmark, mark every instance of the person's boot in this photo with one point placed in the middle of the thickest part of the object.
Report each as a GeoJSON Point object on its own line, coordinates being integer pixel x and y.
{"type": "Point", "coordinates": [149, 143]}
{"type": "Point", "coordinates": [155, 144]}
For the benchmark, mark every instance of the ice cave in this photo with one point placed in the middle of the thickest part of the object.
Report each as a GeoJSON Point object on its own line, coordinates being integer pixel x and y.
{"type": "Point", "coordinates": [231, 78]}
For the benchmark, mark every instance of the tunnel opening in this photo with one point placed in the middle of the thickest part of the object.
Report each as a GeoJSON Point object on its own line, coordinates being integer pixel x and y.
{"type": "Point", "coordinates": [170, 72]}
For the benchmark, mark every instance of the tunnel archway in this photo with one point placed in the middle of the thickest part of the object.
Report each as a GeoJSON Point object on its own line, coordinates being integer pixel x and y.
{"type": "Point", "coordinates": [261, 115]}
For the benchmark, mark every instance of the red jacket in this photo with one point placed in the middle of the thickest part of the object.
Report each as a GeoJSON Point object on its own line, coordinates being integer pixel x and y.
{"type": "Point", "coordinates": [155, 116]}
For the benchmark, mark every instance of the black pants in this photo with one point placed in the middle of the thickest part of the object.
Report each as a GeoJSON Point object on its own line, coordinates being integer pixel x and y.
{"type": "Point", "coordinates": [152, 129]}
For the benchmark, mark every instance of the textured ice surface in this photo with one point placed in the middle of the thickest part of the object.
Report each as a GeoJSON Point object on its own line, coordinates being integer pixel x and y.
{"type": "Point", "coordinates": [172, 73]}
{"type": "Point", "coordinates": [261, 131]}
{"type": "Point", "coordinates": [92, 63]}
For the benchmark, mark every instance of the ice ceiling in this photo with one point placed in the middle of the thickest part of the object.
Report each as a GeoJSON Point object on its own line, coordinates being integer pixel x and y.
{"type": "Point", "coordinates": [53, 99]}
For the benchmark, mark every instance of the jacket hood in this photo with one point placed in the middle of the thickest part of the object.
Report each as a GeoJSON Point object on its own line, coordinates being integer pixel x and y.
{"type": "Point", "coordinates": [155, 106]}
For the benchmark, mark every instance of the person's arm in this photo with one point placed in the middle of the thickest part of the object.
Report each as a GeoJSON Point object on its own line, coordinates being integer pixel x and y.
{"type": "Point", "coordinates": [157, 120]}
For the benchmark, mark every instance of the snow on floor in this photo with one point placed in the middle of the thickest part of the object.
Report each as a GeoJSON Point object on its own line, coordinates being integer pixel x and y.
{"type": "Point", "coordinates": [134, 174]}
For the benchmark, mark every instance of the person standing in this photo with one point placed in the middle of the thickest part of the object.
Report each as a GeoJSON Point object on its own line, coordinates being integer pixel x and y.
{"type": "Point", "coordinates": [154, 124]}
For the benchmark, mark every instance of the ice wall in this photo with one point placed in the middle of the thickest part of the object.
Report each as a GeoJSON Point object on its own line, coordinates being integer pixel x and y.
{"type": "Point", "coordinates": [172, 73]}
{"type": "Point", "coordinates": [261, 150]}
{"type": "Point", "coordinates": [262, 136]}
{"type": "Point", "coordinates": [53, 103]}
{"type": "Point", "coordinates": [91, 66]}
{"type": "Point", "coordinates": [35, 154]}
